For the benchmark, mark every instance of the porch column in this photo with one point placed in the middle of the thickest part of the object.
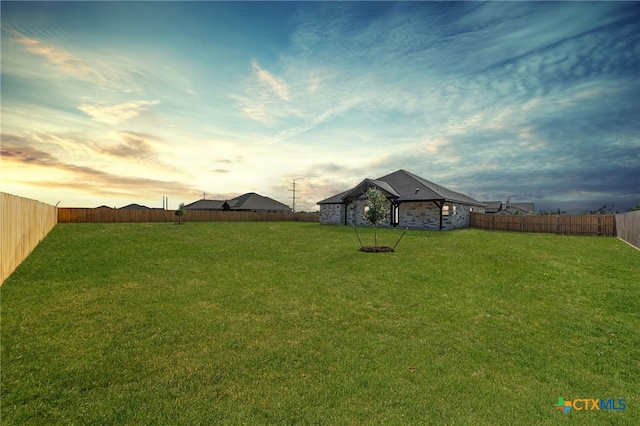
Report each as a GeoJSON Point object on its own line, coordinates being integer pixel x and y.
{"type": "Point", "coordinates": [440, 204]}
{"type": "Point", "coordinates": [346, 211]}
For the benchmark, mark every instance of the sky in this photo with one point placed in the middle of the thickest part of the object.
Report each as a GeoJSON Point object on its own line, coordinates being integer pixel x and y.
{"type": "Point", "coordinates": [111, 103]}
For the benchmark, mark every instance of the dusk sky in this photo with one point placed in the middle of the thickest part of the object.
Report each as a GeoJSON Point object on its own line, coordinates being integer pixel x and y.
{"type": "Point", "coordinates": [116, 102]}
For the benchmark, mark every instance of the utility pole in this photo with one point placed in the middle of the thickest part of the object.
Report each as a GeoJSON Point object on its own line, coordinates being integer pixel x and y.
{"type": "Point", "coordinates": [294, 195]}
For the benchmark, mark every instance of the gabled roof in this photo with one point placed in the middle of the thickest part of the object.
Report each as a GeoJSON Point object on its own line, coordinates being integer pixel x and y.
{"type": "Point", "coordinates": [360, 189]}
{"type": "Point", "coordinates": [498, 207]}
{"type": "Point", "coordinates": [134, 206]}
{"type": "Point", "coordinates": [253, 201]}
{"type": "Point", "coordinates": [249, 201]}
{"type": "Point", "coordinates": [520, 208]}
{"type": "Point", "coordinates": [527, 207]}
{"type": "Point", "coordinates": [492, 206]}
{"type": "Point", "coordinates": [414, 188]}
{"type": "Point", "coordinates": [405, 186]}
{"type": "Point", "coordinates": [334, 199]}
{"type": "Point", "coordinates": [206, 205]}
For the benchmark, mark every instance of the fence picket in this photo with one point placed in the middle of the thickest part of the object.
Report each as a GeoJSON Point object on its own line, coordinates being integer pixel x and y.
{"type": "Point", "coordinates": [604, 225]}
{"type": "Point", "coordinates": [24, 223]}
{"type": "Point", "coordinates": [107, 215]}
{"type": "Point", "coordinates": [628, 227]}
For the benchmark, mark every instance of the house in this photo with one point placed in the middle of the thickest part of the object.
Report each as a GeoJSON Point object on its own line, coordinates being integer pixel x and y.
{"type": "Point", "coordinates": [257, 203]}
{"type": "Point", "coordinates": [247, 202]}
{"type": "Point", "coordinates": [508, 208]}
{"type": "Point", "coordinates": [413, 201]}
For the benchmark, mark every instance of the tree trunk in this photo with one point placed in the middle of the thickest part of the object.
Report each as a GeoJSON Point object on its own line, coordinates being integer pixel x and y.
{"type": "Point", "coordinates": [375, 235]}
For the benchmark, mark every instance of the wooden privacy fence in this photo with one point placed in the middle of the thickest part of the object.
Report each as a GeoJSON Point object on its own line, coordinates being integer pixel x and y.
{"type": "Point", "coordinates": [23, 225]}
{"type": "Point", "coordinates": [108, 215]}
{"type": "Point", "coordinates": [603, 225]}
{"type": "Point", "coordinates": [628, 227]}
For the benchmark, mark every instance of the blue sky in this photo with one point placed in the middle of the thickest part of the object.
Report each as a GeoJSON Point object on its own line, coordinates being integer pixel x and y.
{"type": "Point", "coordinates": [117, 102]}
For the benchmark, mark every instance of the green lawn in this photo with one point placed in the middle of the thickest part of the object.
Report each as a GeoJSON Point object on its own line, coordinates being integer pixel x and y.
{"type": "Point", "coordinates": [288, 323]}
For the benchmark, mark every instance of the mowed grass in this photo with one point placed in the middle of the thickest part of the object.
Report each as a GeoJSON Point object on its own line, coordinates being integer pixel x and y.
{"type": "Point", "coordinates": [288, 323]}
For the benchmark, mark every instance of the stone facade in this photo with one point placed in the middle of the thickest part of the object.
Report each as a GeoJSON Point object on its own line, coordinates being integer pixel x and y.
{"type": "Point", "coordinates": [332, 214]}
{"type": "Point", "coordinates": [422, 214]}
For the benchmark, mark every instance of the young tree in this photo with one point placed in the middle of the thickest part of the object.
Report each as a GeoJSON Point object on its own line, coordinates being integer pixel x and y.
{"type": "Point", "coordinates": [376, 210]}
{"type": "Point", "coordinates": [180, 212]}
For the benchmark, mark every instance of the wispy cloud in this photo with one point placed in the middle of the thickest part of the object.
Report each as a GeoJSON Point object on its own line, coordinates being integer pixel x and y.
{"type": "Point", "coordinates": [266, 96]}
{"type": "Point", "coordinates": [270, 82]}
{"type": "Point", "coordinates": [88, 179]}
{"type": "Point", "coordinates": [65, 61]}
{"type": "Point", "coordinates": [105, 112]}
{"type": "Point", "coordinates": [134, 146]}
{"type": "Point", "coordinates": [103, 68]}
{"type": "Point", "coordinates": [138, 148]}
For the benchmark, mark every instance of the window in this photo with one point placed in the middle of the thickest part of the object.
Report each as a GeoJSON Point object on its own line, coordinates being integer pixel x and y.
{"type": "Point", "coordinates": [445, 210]}
{"type": "Point", "coordinates": [364, 212]}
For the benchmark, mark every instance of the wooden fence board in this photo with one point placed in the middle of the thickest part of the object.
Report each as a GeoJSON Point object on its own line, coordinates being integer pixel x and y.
{"type": "Point", "coordinates": [628, 227]}
{"type": "Point", "coordinates": [603, 225]}
{"type": "Point", "coordinates": [107, 215]}
{"type": "Point", "coordinates": [24, 223]}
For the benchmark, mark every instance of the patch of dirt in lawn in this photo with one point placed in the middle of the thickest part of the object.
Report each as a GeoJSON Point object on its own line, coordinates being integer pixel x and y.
{"type": "Point", "coordinates": [370, 249]}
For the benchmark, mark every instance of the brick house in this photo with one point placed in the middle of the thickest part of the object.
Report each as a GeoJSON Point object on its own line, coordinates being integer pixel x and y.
{"type": "Point", "coordinates": [413, 201]}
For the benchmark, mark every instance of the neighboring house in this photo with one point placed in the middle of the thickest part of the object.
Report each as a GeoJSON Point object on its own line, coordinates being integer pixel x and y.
{"type": "Point", "coordinates": [257, 203]}
{"type": "Point", "coordinates": [497, 207]}
{"type": "Point", "coordinates": [247, 202]}
{"type": "Point", "coordinates": [413, 201]}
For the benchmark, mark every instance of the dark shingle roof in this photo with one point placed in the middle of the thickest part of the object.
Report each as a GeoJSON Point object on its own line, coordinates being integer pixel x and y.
{"type": "Point", "coordinates": [359, 190]}
{"type": "Point", "coordinates": [404, 186]}
{"type": "Point", "coordinates": [253, 201]}
{"type": "Point", "coordinates": [524, 206]}
{"type": "Point", "coordinates": [492, 206]}
{"type": "Point", "coordinates": [248, 201]}
{"type": "Point", "coordinates": [134, 206]}
{"type": "Point", "coordinates": [503, 208]}
{"type": "Point", "coordinates": [206, 205]}
{"type": "Point", "coordinates": [334, 199]}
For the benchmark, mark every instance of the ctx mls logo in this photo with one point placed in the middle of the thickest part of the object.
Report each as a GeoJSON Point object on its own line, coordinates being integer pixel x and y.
{"type": "Point", "coordinates": [590, 404]}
